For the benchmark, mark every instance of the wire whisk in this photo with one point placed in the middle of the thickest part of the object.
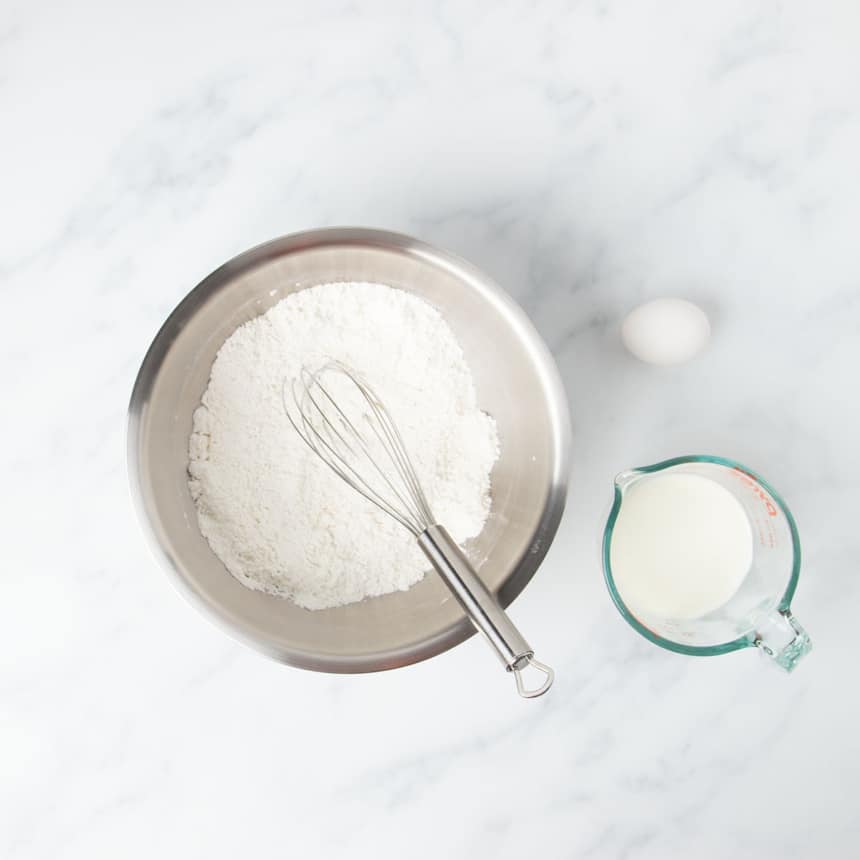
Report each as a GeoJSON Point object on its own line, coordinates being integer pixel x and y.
{"type": "Point", "coordinates": [346, 424]}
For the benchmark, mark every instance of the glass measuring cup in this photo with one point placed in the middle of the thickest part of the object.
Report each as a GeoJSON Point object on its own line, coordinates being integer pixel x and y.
{"type": "Point", "coordinates": [758, 614]}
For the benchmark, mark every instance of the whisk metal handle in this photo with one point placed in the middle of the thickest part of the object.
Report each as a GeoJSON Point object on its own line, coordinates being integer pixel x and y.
{"type": "Point", "coordinates": [483, 608]}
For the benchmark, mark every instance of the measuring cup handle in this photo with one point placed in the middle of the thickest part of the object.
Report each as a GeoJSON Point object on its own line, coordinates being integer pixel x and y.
{"type": "Point", "coordinates": [782, 638]}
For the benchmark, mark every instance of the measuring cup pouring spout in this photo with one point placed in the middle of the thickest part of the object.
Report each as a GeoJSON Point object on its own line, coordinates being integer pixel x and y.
{"type": "Point", "coordinates": [624, 479]}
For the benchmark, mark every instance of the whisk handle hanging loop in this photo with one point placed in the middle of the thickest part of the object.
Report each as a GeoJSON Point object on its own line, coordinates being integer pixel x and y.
{"type": "Point", "coordinates": [482, 608]}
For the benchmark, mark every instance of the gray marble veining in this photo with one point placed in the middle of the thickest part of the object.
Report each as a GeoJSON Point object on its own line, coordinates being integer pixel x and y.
{"type": "Point", "coordinates": [589, 156]}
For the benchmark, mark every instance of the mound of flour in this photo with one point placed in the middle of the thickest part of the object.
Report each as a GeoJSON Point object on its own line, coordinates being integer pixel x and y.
{"type": "Point", "coordinates": [277, 517]}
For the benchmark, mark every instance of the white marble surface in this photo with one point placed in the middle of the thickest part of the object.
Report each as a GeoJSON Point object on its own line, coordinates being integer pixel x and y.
{"type": "Point", "coordinates": [588, 155]}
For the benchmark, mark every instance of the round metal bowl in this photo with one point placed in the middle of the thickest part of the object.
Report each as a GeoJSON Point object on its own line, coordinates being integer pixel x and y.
{"type": "Point", "coordinates": [516, 382]}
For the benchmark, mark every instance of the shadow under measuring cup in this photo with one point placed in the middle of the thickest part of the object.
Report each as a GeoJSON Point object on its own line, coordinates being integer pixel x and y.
{"type": "Point", "coordinates": [651, 578]}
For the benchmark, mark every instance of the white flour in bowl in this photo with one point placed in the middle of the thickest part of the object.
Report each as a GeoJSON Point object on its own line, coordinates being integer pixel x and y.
{"type": "Point", "coordinates": [277, 516]}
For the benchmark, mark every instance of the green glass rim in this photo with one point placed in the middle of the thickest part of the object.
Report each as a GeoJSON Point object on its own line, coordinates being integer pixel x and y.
{"type": "Point", "coordinates": [697, 650]}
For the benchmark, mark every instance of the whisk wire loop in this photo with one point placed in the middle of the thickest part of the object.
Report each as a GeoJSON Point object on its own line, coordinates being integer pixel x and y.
{"type": "Point", "coordinates": [337, 439]}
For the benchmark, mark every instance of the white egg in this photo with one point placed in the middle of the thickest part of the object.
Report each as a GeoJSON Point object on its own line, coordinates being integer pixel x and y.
{"type": "Point", "coordinates": [666, 331]}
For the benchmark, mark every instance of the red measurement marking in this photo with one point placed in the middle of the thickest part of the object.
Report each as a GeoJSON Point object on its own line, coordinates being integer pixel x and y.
{"type": "Point", "coordinates": [749, 481]}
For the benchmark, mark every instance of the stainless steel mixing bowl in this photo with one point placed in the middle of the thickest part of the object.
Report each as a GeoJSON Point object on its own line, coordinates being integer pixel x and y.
{"type": "Point", "coordinates": [516, 382]}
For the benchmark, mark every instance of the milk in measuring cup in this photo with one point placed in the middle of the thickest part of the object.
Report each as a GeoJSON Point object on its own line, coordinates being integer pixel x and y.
{"type": "Point", "coordinates": [681, 546]}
